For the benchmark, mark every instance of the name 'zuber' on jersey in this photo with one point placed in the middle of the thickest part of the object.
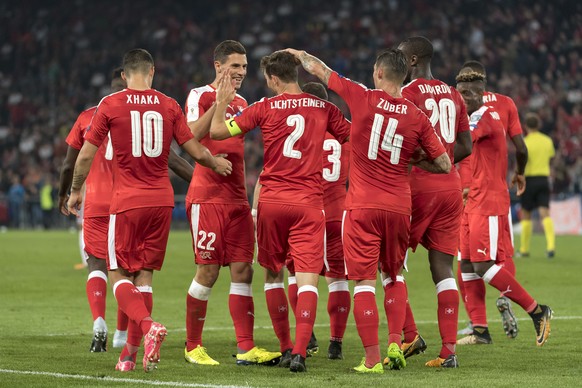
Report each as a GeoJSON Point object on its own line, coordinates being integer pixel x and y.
{"type": "Point", "coordinates": [388, 106]}
{"type": "Point", "coordinates": [142, 99]}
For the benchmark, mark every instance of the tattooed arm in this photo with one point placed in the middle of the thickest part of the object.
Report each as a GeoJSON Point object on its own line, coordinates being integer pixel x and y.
{"type": "Point", "coordinates": [312, 65]}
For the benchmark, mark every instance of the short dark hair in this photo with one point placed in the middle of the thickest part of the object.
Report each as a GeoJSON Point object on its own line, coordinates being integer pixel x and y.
{"type": "Point", "coordinates": [137, 60]}
{"type": "Point", "coordinates": [281, 64]}
{"type": "Point", "coordinates": [394, 62]}
{"type": "Point", "coordinates": [532, 121]}
{"type": "Point", "coordinates": [315, 88]}
{"type": "Point", "coordinates": [419, 46]}
{"type": "Point", "coordinates": [475, 66]}
{"type": "Point", "coordinates": [226, 48]}
{"type": "Point", "coordinates": [116, 73]}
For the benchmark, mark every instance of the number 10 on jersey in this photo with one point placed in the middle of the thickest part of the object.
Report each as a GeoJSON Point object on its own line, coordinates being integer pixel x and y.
{"type": "Point", "coordinates": [391, 142]}
{"type": "Point", "coordinates": [147, 133]}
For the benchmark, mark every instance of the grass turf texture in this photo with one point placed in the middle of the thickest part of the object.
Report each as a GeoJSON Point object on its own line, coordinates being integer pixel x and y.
{"type": "Point", "coordinates": [45, 326]}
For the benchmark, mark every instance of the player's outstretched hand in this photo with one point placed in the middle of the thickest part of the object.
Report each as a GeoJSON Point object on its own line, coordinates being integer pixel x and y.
{"type": "Point", "coordinates": [518, 180]}
{"type": "Point", "coordinates": [63, 205]}
{"type": "Point", "coordinates": [223, 166]}
{"type": "Point", "coordinates": [225, 91]}
{"type": "Point", "coordinates": [296, 53]}
{"type": "Point", "coordinates": [74, 203]}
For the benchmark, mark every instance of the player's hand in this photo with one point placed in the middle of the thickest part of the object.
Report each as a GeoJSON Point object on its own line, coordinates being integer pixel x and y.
{"type": "Point", "coordinates": [418, 156]}
{"type": "Point", "coordinates": [63, 205]}
{"type": "Point", "coordinates": [223, 166]}
{"type": "Point", "coordinates": [518, 180]}
{"type": "Point", "coordinates": [74, 203]}
{"type": "Point", "coordinates": [225, 91]}
{"type": "Point", "coordinates": [465, 195]}
{"type": "Point", "coordinates": [296, 53]}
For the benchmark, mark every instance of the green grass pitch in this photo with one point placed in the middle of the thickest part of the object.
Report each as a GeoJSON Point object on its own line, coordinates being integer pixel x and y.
{"type": "Point", "coordinates": [45, 326]}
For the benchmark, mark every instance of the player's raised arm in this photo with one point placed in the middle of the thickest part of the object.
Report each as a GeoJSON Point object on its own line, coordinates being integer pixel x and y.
{"type": "Point", "coordinates": [225, 93]}
{"type": "Point", "coordinates": [312, 65]}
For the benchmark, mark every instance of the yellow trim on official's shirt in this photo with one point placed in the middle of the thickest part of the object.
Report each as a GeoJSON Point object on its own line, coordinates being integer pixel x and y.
{"type": "Point", "coordinates": [233, 127]}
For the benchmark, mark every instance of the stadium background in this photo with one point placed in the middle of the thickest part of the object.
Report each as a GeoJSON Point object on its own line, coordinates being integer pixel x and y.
{"type": "Point", "coordinates": [56, 58]}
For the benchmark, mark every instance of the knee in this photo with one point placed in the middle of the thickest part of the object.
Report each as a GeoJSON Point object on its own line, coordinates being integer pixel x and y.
{"type": "Point", "coordinates": [206, 275]}
{"type": "Point", "coordinates": [242, 273]}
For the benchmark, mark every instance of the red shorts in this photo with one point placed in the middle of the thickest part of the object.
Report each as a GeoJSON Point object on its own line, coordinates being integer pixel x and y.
{"type": "Point", "coordinates": [138, 238]}
{"type": "Point", "coordinates": [95, 236]}
{"type": "Point", "coordinates": [436, 220]}
{"type": "Point", "coordinates": [481, 238]}
{"type": "Point", "coordinates": [297, 231]}
{"type": "Point", "coordinates": [373, 236]}
{"type": "Point", "coordinates": [221, 234]}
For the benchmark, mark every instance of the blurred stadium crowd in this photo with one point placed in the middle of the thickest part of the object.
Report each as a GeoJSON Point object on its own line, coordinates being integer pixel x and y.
{"type": "Point", "coordinates": [56, 59]}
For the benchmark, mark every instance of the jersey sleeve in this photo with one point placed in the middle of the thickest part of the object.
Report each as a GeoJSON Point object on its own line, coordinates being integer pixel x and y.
{"type": "Point", "coordinates": [479, 124]}
{"type": "Point", "coordinates": [464, 168]}
{"type": "Point", "coordinates": [338, 125]}
{"type": "Point", "coordinates": [429, 141]}
{"type": "Point", "coordinates": [513, 124]}
{"type": "Point", "coordinates": [99, 127]}
{"type": "Point", "coordinates": [75, 136]}
{"type": "Point", "coordinates": [249, 118]}
{"type": "Point", "coordinates": [347, 89]}
{"type": "Point", "coordinates": [182, 132]}
{"type": "Point", "coordinates": [197, 104]}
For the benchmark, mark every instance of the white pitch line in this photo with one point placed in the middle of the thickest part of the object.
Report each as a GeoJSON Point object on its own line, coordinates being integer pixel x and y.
{"type": "Point", "coordinates": [116, 379]}
{"type": "Point", "coordinates": [227, 328]}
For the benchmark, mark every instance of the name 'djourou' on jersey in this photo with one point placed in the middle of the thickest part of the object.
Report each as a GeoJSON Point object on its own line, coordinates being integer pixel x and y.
{"type": "Point", "coordinates": [142, 99]}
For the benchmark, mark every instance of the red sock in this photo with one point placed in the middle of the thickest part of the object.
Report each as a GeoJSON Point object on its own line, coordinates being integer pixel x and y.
{"type": "Point", "coordinates": [367, 322]}
{"type": "Point", "coordinates": [97, 293]}
{"type": "Point", "coordinates": [462, 291]}
{"type": "Point", "coordinates": [195, 318]}
{"type": "Point", "coordinates": [475, 299]}
{"type": "Point", "coordinates": [395, 306]}
{"type": "Point", "coordinates": [448, 314]}
{"type": "Point", "coordinates": [509, 265]}
{"type": "Point", "coordinates": [305, 318]}
{"type": "Point", "coordinates": [131, 301]}
{"type": "Point", "coordinates": [134, 331]}
{"type": "Point", "coordinates": [501, 279]}
{"type": "Point", "coordinates": [122, 320]}
{"type": "Point", "coordinates": [410, 329]}
{"type": "Point", "coordinates": [242, 312]}
{"type": "Point", "coordinates": [292, 292]}
{"type": "Point", "coordinates": [338, 308]}
{"type": "Point", "coordinates": [279, 313]}
{"type": "Point", "coordinates": [125, 352]}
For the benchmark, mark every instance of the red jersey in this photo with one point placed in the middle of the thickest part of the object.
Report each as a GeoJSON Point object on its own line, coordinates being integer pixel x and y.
{"type": "Point", "coordinates": [488, 193]}
{"type": "Point", "coordinates": [385, 133]}
{"type": "Point", "coordinates": [206, 185]}
{"type": "Point", "coordinates": [141, 124]}
{"type": "Point", "coordinates": [447, 113]}
{"type": "Point", "coordinates": [99, 183]}
{"type": "Point", "coordinates": [507, 111]}
{"type": "Point", "coordinates": [292, 158]}
{"type": "Point", "coordinates": [336, 159]}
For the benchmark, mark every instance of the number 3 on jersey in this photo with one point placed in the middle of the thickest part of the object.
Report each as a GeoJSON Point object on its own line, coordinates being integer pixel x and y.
{"type": "Point", "coordinates": [391, 142]}
{"type": "Point", "coordinates": [152, 124]}
{"type": "Point", "coordinates": [334, 158]}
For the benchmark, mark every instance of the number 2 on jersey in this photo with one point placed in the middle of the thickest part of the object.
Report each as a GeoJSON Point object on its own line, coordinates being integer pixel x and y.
{"type": "Point", "coordinates": [391, 142]}
{"type": "Point", "coordinates": [445, 114]}
{"type": "Point", "coordinates": [152, 123]}
{"type": "Point", "coordinates": [298, 122]}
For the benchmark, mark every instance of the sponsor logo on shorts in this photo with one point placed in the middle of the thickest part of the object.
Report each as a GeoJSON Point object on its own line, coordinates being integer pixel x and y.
{"type": "Point", "coordinates": [205, 255]}
{"type": "Point", "coordinates": [483, 251]}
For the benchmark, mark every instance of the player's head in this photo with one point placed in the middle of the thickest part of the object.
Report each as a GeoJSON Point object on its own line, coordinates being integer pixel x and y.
{"type": "Point", "coordinates": [471, 85]}
{"type": "Point", "coordinates": [231, 55]}
{"type": "Point", "coordinates": [315, 88]}
{"type": "Point", "coordinates": [280, 68]}
{"type": "Point", "coordinates": [532, 122]}
{"type": "Point", "coordinates": [475, 66]}
{"type": "Point", "coordinates": [390, 67]}
{"type": "Point", "coordinates": [138, 62]}
{"type": "Point", "coordinates": [117, 81]}
{"type": "Point", "coordinates": [418, 51]}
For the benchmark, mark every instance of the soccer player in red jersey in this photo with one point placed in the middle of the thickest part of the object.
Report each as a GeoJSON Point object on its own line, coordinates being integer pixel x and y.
{"type": "Point", "coordinates": [485, 214]}
{"type": "Point", "coordinates": [98, 194]}
{"type": "Point", "coordinates": [509, 116]}
{"type": "Point", "coordinates": [335, 175]}
{"type": "Point", "coordinates": [437, 202]}
{"type": "Point", "coordinates": [290, 217]}
{"type": "Point", "coordinates": [221, 221]}
{"type": "Point", "coordinates": [141, 123]}
{"type": "Point", "coordinates": [386, 131]}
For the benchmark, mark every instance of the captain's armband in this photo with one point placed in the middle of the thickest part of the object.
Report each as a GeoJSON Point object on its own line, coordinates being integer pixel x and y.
{"type": "Point", "coordinates": [233, 127]}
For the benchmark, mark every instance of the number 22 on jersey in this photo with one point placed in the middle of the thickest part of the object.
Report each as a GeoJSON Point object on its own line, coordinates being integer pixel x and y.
{"type": "Point", "coordinates": [147, 133]}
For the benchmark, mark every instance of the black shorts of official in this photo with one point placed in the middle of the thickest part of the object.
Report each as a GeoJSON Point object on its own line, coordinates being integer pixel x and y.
{"type": "Point", "coordinates": [537, 193]}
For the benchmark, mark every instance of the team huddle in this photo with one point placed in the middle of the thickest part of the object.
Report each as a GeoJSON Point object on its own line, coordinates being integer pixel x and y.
{"type": "Point", "coordinates": [396, 158]}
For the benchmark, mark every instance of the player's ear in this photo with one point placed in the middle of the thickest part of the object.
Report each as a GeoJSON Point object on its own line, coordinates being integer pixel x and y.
{"type": "Point", "coordinates": [380, 72]}
{"type": "Point", "coordinates": [217, 67]}
{"type": "Point", "coordinates": [413, 60]}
